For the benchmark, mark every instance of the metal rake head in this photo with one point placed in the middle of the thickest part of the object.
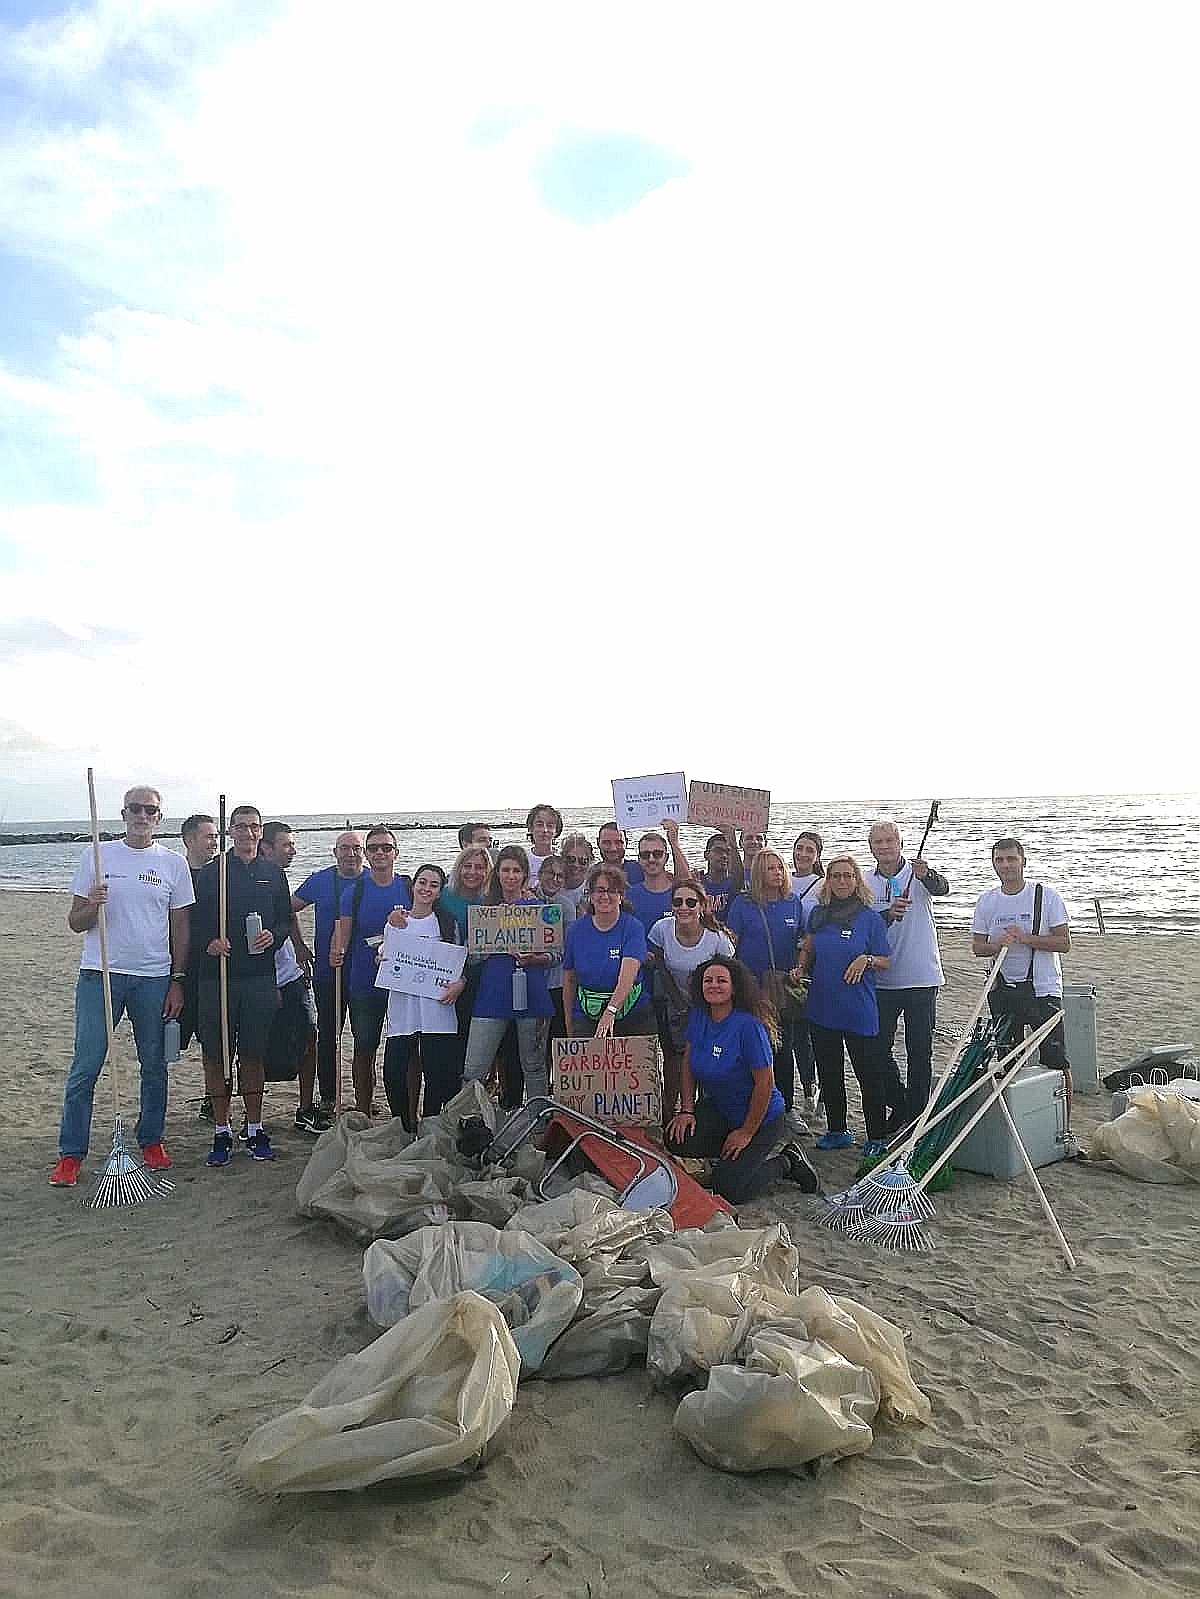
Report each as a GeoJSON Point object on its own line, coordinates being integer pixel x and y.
{"type": "Point", "coordinates": [124, 1180]}
{"type": "Point", "coordinates": [889, 1190]}
{"type": "Point", "coordinates": [901, 1230]}
{"type": "Point", "coordinates": [845, 1212]}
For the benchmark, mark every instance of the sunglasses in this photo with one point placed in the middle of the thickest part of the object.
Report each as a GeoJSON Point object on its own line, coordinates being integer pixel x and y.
{"type": "Point", "coordinates": [577, 860]}
{"type": "Point", "coordinates": [681, 904]}
{"type": "Point", "coordinates": [143, 810]}
{"type": "Point", "coordinates": [652, 855]}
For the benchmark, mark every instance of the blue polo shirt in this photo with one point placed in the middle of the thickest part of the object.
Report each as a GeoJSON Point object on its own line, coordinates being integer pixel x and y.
{"type": "Point", "coordinates": [724, 1055]}
{"type": "Point", "coordinates": [832, 1001]}
{"type": "Point", "coordinates": [784, 917]}
{"type": "Point", "coordinates": [596, 957]}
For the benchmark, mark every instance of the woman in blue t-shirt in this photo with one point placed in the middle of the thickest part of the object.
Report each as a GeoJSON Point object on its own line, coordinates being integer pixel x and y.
{"type": "Point", "coordinates": [729, 1056]}
{"type": "Point", "coordinates": [846, 944]}
{"type": "Point", "coordinates": [767, 923]}
{"type": "Point", "coordinates": [603, 991]}
{"type": "Point", "coordinates": [496, 1000]}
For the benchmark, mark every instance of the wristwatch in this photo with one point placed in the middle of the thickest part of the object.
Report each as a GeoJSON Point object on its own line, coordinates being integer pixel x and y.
{"type": "Point", "coordinates": [870, 959]}
{"type": "Point", "coordinates": [178, 977]}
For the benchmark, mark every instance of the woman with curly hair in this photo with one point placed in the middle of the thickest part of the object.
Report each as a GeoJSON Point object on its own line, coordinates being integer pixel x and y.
{"type": "Point", "coordinates": [729, 1056]}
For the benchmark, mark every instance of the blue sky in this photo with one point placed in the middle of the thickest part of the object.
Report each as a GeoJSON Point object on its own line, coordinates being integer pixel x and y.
{"type": "Point", "coordinates": [601, 386]}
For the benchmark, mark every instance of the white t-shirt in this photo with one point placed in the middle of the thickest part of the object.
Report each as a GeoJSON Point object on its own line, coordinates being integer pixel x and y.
{"type": "Point", "coordinates": [997, 910]}
{"type": "Point", "coordinates": [806, 889]}
{"type": "Point", "coordinates": [143, 886]}
{"type": "Point", "coordinates": [535, 864]}
{"type": "Point", "coordinates": [915, 960]}
{"type": "Point", "coordinates": [681, 961]}
{"type": "Point", "coordinates": [413, 1013]}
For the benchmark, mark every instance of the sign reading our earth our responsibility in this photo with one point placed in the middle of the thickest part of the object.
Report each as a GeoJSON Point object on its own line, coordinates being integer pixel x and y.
{"type": "Point", "coordinates": [617, 1080]}
{"type": "Point", "coordinates": [415, 965]}
{"type": "Point", "coordinates": [727, 805]}
{"type": "Point", "coordinates": [649, 801]}
{"type": "Point", "coordinates": [515, 929]}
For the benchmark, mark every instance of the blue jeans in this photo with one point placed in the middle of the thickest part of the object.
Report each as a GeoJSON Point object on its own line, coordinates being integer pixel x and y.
{"type": "Point", "coordinates": [143, 998]}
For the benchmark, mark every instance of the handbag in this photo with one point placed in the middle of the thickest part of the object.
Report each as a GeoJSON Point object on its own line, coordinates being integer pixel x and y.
{"type": "Point", "coordinates": [1023, 996]}
{"type": "Point", "coordinates": [785, 993]}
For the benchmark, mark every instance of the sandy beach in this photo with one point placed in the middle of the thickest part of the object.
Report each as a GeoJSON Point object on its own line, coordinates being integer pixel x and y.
{"type": "Point", "coordinates": [140, 1347]}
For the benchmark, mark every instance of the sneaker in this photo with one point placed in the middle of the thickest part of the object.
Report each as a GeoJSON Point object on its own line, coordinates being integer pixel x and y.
{"type": "Point", "coordinates": [259, 1147]}
{"type": "Point", "coordinates": [798, 1169]}
{"type": "Point", "coordinates": [222, 1151]}
{"type": "Point", "coordinates": [874, 1148]}
{"type": "Point", "coordinates": [66, 1171]}
{"type": "Point", "coordinates": [313, 1119]}
{"type": "Point", "coordinates": [155, 1157]}
{"type": "Point", "coordinates": [205, 1113]}
{"type": "Point", "coordinates": [832, 1140]}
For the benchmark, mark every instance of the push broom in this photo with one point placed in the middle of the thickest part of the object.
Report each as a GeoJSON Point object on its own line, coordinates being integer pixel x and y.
{"type": "Point", "coordinates": [124, 1180]}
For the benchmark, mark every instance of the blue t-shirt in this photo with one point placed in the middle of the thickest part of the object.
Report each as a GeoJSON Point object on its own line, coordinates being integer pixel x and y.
{"type": "Point", "coordinates": [317, 889]}
{"type": "Point", "coordinates": [633, 871]}
{"type": "Point", "coordinates": [723, 1056]}
{"type": "Point", "coordinates": [720, 893]}
{"type": "Point", "coordinates": [650, 907]}
{"type": "Point", "coordinates": [596, 957]}
{"type": "Point", "coordinates": [745, 922]}
{"type": "Point", "coordinates": [377, 905]}
{"type": "Point", "coordinates": [495, 987]}
{"type": "Point", "coordinates": [833, 1002]}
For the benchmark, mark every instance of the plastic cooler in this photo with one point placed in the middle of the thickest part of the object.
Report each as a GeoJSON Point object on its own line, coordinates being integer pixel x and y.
{"type": "Point", "coordinates": [1079, 1029]}
{"type": "Point", "coordinates": [1037, 1102]}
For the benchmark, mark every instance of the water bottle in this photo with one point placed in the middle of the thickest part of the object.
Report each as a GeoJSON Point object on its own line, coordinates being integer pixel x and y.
{"type": "Point", "coordinates": [170, 1042]}
{"type": "Point", "coordinates": [520, 985]}
{"type": "Point", "coordinates": [253, 929]}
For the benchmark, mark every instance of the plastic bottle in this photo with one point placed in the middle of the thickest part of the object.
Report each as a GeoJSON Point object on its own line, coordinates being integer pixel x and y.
{"type": "Point", "coordinates": [520, 988]}
{"type": "Point", "coordinates": [171, 1042]}
{"type": "Point", "coordinates": [253, 929]}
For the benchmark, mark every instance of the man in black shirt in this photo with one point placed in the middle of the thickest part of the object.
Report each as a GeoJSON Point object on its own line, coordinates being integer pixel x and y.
{"type": "Point", "coordinates": [254, 888]}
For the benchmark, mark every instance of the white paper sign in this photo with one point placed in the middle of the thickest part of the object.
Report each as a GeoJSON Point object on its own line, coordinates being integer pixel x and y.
{"type": "Point", "coordinates": [647, 801]}
{"type": "Point", "coordinates": [415, 965]}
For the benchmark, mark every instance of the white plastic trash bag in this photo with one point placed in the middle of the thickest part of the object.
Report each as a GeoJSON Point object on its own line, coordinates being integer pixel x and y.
{"type": "Point", "coordinates": [767, 1253]}
{"type": "Point", "coordinates": [535, 1292]}
{"type": "Point", "coordinates": [793, 1402]}
{"type": "Point", "coordinates": [869, 1340]}
{"type": "Point", "coordinates": [424, 1400]}
{"type": "Point", "coordinates": [1157, 1139]}
{"type": "Point", "coordinates": [702, 1319]}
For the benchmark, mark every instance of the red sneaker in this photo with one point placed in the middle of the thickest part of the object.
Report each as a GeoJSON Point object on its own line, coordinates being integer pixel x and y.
{"type": "Point", "coordinates": [66, 1172]}
{"type": "Point", "coordinates": [155, 1157]}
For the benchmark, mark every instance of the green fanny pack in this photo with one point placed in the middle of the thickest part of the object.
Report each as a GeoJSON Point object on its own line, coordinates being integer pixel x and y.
{"type": "Point", "coordinates": [592, 1001]}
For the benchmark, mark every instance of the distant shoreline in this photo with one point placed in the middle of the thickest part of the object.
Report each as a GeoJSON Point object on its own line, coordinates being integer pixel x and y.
{"type": "Point", "coordinates": [359, 827]}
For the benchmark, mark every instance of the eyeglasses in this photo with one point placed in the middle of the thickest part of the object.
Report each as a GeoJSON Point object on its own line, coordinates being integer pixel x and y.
{"type": "Point", "coordinates": [652, 855]}
{"type": "Point", "coordinates": [685, 904]}
{"type": "Point", "coordinates": [600, 889]}
{"type": "Point", "coordinates": [841, 877]}
{"type": "Point", "coordinates": [381, 849]}
{"type": "Point", "coordinates": [577, 860]}
{"type": "Point", "coordinates": [143, 810]}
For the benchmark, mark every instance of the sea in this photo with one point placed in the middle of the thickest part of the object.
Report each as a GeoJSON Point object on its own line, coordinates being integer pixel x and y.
{"type": "Point", "coordinates": [1134, 853]}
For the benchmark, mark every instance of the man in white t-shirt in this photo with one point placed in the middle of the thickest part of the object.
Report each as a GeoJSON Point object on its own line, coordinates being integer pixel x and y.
{"type": "Point", "coordinates": [1029, 921]}
{"type": "Point", "coordinates": [904, 894]}
{"type": "Point", "coordinates": [146, 891]}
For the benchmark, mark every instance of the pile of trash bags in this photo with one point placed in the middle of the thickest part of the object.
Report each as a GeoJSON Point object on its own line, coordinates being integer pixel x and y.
{"type": "Point", "coordinates": [1158, 1138]}
{"type": "Point", "coordinates": [478, 1281]}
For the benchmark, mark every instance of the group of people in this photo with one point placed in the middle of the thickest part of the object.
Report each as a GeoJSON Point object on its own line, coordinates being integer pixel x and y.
{"type": "Point", "coordinates": [753, 972]}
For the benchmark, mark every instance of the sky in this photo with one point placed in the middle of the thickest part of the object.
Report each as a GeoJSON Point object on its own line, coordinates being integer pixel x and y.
{"type": "Point", "coordinates": [427, 407]}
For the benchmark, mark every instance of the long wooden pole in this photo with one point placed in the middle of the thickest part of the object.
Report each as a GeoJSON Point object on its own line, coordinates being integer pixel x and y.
{"type": "Point", "coordinates": [223, 932]}
{"type": "Point", "coordinates": [963, 1039]}
{"type": "Point", "coordinates": [102, 923]}
{"type": "Point", "coordinates": [1047, 1211]}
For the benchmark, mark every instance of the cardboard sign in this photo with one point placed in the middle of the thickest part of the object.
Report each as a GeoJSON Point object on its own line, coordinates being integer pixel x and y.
{"type": "Point", "coordinates": [534, 929]}
{"type": "Point", "coordinates": [727, 805]}
{"type": "Point", "coordinates": [649, 801]}
{"type": "Point", "coordinates": [415, 965]}
{"type": "Point", "coordinates": [617, 1080]}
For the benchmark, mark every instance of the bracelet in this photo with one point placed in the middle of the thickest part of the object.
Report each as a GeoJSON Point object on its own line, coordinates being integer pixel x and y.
{"type": "Point", "coordinates": [612, 1010]}
{"type": "Point", "coordinates": [178, 977]}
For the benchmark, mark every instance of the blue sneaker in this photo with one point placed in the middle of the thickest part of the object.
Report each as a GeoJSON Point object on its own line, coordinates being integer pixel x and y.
{"type": "Point", "coordinates": [259, 1146]}
{"type": "Point", "coordinates": [222, 1151]}
{"type": "Point", "coordinates": [874, 1149]}
{"type": "Point", "coordinates": [833, 1140]}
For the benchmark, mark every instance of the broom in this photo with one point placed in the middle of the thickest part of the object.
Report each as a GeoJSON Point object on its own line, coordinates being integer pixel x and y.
{"type": "Point", "coordinates": [124, 1180]}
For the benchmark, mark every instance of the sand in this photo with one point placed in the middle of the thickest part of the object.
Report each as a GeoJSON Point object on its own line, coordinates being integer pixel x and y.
{"type": "Point", "coordinates": [139, 1348]}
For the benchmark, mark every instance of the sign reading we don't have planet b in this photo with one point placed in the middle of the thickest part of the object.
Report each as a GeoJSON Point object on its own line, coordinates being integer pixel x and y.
{"type": "Point", "coordinates": [533, 929]}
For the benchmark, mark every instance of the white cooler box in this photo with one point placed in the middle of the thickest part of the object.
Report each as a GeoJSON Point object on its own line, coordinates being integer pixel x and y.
{"type": "Point", "coordinates": [1037, 1102]}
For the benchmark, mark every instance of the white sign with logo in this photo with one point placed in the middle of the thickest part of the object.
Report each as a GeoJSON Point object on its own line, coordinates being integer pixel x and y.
{"type": "Point", "coordinates": [415, 965]}
{"type": "Point", "coordinates": [649, 801]}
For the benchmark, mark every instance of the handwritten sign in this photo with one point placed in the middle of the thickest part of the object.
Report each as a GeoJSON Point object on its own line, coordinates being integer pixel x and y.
{"type": "Point", "coordinates": [534, 929]}
{"type": "Point", "coordinates": [617, 1080]}
{"type": "Point", "coordinates": [727, 805]}
{"type": "Point", "coordinates": [648, 801]}
{"type": "Point", "coordinates": [415, 965]}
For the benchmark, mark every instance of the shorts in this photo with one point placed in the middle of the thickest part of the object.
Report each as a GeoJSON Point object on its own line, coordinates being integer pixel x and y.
{"type": "Point", "coordinates": [253, 1002]}
{"type": "Point", "coordinates": [291, 1029]}
{"type": "Point", "coordinates": [368, 1012]}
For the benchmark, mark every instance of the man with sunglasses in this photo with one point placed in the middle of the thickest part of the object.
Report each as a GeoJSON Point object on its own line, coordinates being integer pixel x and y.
{"type": "Point", "coordinates": [146, 891]}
